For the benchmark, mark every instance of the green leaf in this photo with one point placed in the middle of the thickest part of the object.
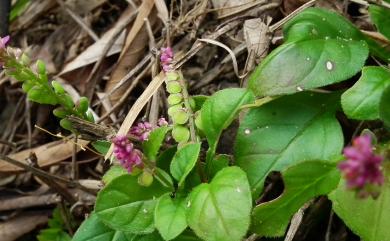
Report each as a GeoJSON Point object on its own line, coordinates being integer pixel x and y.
{"type": "Point", "coordinates": [219, 162]}
{"type": "Point", "coordinates": [126, 206]}
{"type": "Point", "coordinates": [384, 106]}
{"type": "Point", "coordinates": [286, 131]}
{"type": "Point", "coordinates": [319, 23]}
{"type": "Point", "coordinates": [219, 111]}
{"type": "Point", "coordinates": [114, 172]}
{"type": "Point", "coordinates": [92, 229]}
{"type": "Point", "coordinates": [221, 210]}
{"type": "Point", "coordinates": [307, 64]}
{"type": "Point", "coordinates": [367, 218]}
{"type": "Point", "coordinates": [41, 95]}
{"type": "Point", "coordinates": [154, 142]}
{"type": "Point", "coordinates": [184, 160]}
{"type": "Point", "coordinates": [101, 146]}
{"type": "Point", "coordinates": [380, 17]}
{"type": "Point", "coordinates": [361, 101]}
{"type": "Point", "coordinates": [170, 216]}
{"type": "Point", "coordinates": [302, 182]}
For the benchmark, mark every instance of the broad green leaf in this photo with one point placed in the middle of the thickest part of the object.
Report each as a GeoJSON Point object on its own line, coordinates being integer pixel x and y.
{"type": "Point", "coordinates": [361, 101]}
{"type": "Point", "coordinates": [319, 23]}
{"type": "Point", "coordinates": [126, 206]}
{"type": "Point", "coordinates": [367, 218]}
{"type": "Point", "coordinates": [307, 64]}
{"type": "Point", "coordinates": [165, 158]}
{"type": "Point", "coordinates": [286, 131]}
{"type": "Point", "coordinates": [101, 146]}
{"type": "Point", "coordinates": [154, 142]}
{"type": "Point", "coordinates": [41, 95]}
{"type": "Point", "coordinates": [302, 182]}
{"type": "Point", "coordinates": [184, 160]}
{"type": "Point", "coordinates": [170, 216]}
{"type": "Point", "coordinates": [381, 18]}
{"type": "Point", "coordinates": [221, 209]}
{"type": "Point", "coordinates": [114, 172]}
{"type": "Point", "coordinates": [219, 111]}
{"type": "Point", "coordinates": [92, 229]}
{"type": "Point", "coordinates": [197, 102]}
{"type": "Point", "coordinates": [384, 106]}
{"type": "Point", "coordinates": [219, 162]}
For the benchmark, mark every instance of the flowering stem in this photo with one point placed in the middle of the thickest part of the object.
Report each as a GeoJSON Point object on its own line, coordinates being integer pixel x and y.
{"type": "Point", "coordinates": [186, 97]}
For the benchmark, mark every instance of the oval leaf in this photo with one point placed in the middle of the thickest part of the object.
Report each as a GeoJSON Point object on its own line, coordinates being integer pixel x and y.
{"type": "Point", "coordinates": [307, 64]}
{"type": "Point", "coordinates": [154, 142]}
{"type": "Point", "coordinates": [184, 160]}
{"type": "Point", "coordinates": [287, 131]}
{"type": "Point", "coordinates": [361, 101]}
{"type": "Point", "coordinates": [220, 210]}
{"type": "Point", "coordinates": [302, 182]}
{"type": "Point", "coordinates": [92, 229]}
{"type": "Point", "coordinates": [170, 216]}
{"type": "Point", "coordinates": [219, 111]}
{"type": "Point", "coordinates": [126, 206]}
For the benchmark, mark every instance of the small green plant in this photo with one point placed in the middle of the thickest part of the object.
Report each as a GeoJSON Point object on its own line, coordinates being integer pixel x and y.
{"type": "Point", "coordinates": [189, 191]}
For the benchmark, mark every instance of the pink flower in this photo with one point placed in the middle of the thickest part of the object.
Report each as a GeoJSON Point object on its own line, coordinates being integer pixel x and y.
{"type": "Point", "coordinates": [162, 122]}
{"type": "Point", "coordinates": [166, 58]}
{"type": "Point", "coordinates": [128, 156]}
{"type": "Point", "coordinates": [4, 41]}
{"type": "Point", "coordinates": [141, 130]}
{"type": "Point", "coordinates": [362, 167]}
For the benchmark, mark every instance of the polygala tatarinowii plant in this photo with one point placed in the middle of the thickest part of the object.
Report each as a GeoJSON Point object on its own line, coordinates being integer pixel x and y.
{"type": "Point", "coordinates": [169, 181]}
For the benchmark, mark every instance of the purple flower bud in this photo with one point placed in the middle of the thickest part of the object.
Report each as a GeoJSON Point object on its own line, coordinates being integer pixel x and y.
{"type": "Point", "coordinates": [141, 130]}
{"type": "Point", "coordinates": [128, 156]}
{"type": "Point", "coordinates": [362, 167]}
{"type": "Point", "coordinates": [166, 58]}
{"type": "Point", "coordinates": [162, 122]}
{"type": "Point", "coordinates": [4, 41]}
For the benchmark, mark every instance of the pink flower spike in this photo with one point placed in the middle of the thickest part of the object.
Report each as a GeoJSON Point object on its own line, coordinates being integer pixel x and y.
{"type": "Point", "coordinates": [166, 58]}
{"type": "Point", "coordinates": [128, 156]}
{"type": "Point", "coordinates": [4, 41]}
{"type": "Point", "coordinates": [362, 167]}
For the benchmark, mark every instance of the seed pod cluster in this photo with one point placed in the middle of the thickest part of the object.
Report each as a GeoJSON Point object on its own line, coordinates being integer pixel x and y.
{"type": "Point", "coordinates": [177, 111]}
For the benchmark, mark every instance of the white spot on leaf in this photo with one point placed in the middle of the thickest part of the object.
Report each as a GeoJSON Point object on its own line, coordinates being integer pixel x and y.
{"type": "Point", "coordinates": [299, 88]}
{"type": "Point", "coordinates": [247, 131]}
{"type": "Point", "coordinates": [329, 65]}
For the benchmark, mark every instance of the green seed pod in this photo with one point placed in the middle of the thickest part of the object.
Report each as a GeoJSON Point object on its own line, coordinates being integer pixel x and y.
{"type": "Point", "coordinates": [60, 112]}
{"type": "Point", "coordinates": [172, 76]}
{"type": "Point", "coordinates": [90, 117]}
{"type": "Point", "coordinates": [174, 108]}
{"type": "Point", "coordinates": [57, 87]}
{"type": "Point", "coordinates": [83, 105]}
{"type": "Point", "coordinates": [25, 60]}
{"type": "Point", "coordinates": [180, 117]}
{"type": "Point", "coordinates": [198, 121]}
{"type": "Point", "coordinates": [66, 124]}
{"type": "Point", "coordinates": [180, 133]}
{"type": "Point", "coordinates": [145, 179]}
{"type": "Point", "coordinates": [41, 67]}
{"type": "Point", "coordinates": [67, 101]}
{"type": "Point", "coordinates": [173, 87]}
{"type": "Point", "coordinates": [174, 99]}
